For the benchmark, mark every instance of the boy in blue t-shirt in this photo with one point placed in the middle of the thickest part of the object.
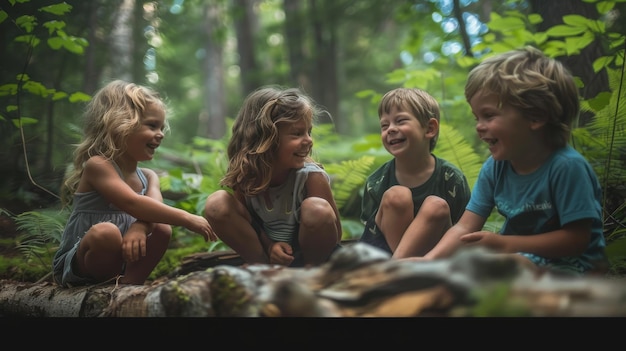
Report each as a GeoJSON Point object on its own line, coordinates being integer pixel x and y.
{"type": "Point", "coordinates": [524, 104]}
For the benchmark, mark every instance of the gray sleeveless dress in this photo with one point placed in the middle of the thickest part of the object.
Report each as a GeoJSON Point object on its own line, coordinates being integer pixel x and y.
{"type": "Point", "coordinates": [88, 209]}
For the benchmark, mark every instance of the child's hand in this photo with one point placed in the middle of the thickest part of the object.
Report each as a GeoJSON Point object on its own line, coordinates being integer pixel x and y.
{"type": "Point", "coordinates": [133, 245]}
{"type": "Point", "coordinates": [281, 253]}
{"type": "Point", "coordinates": [200, 225]}
{"type": "Point", "coordinates": [486, 239]}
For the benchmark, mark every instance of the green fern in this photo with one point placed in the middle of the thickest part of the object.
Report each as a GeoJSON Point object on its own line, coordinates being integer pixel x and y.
{"type": "Point", "coordinates": [40, 233]}
{"type": "Point", "coordinates": [456, 149]}
{"type": "Point", "coordinates": [603, 143]}
{"type": "Point", "coordinates": [348, 177]}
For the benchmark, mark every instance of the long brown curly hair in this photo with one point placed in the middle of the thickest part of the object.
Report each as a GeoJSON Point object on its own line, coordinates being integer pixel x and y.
{"type": "Point", "coordinates": [254, 142]}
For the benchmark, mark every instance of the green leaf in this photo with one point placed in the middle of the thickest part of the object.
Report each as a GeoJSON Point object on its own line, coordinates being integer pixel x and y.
{"type": "Point", "coordinates": [26, 22]}
{"type": "Point", "coordinates": [54, 26]}
{"type": "Point", "coordinates": [565, 31]}
{"type": "Point", "coordinates": [57, 9]}
{"type": "Point", "coordinates": [604, 7]}
{"type": "Point", "coordinates": [18, 122]}
{"type": "Point", "coordinates": [506, 24]}
{"type": "Point", "coordinates": [79, 97]}
{"type": "Point", "coordinates": [576, 20]}
{"type": "Point", "coordinates": [56, 42]}
{"type": "Point", "coordinates": [466, 61]}
{"type": "Point", "coordinates": [534, 18]}
{"type": "Point", "coordinates": [22, 77]}
{"type": "Point", "coordinates": [8, 89]}
{"type": "Point", "coordinates": [37, 88]}
{"type": "Point", "coordinates": [11, 108]}
{"type": "Point", "coordinates": [3, 16]}
{"type": "Point", "coordinates": [28, 39]}
{"type": "Point", "coordinates": [601, 62]}
{"type": "Point", "coordinates": [74, 47]}
{"type": "Point", "coordinates": [58, 95]}
{"type": "Point", "coordinates": [600, 101]}
{"type": "Point", "coordinates": [540, 37]}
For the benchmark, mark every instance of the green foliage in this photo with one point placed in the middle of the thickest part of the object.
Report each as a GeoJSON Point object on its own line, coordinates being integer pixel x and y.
{"type": "Point", "coordinates": [191, 171]}
{"type": "Point", "coordinates": [40, 234]}
{"type": "Point", "coordinates": [349, 175]}
{"type": "Point", "coordinates": [495, 301]}
{"type": "Point", "coordinates": [57, 39]}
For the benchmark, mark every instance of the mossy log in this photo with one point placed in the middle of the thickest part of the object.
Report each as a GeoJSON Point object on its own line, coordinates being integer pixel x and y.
{"type": "Point", "coordinates": [358, 281]}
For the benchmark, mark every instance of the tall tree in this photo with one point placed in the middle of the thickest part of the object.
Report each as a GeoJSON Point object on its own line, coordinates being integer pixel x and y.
{"type": "Point", "coordinates": [295, 37]}
{"type": "Point", "coordinates": [121, 41]}
{"type": "Point", "coordinates": [246, 25]}
{"type": "Point", "coordinates": [215, 125]}
{"type": "Point", "coordinates": [324, 27]}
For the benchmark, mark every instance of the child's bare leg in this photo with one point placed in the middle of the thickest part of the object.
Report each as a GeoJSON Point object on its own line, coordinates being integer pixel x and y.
{"type": "Point", "coordinates": [156, 245]}
{"type": "Point", "coordinates": [99, 253]}
{"type": "Point", "coordinates": [233, 225]}
{"type": "Point", "coordinates": [395, 214]}
{"type": "Point", "coordinates": [425, 231]}
{"type": "Point", "coordinates": [318, 232]}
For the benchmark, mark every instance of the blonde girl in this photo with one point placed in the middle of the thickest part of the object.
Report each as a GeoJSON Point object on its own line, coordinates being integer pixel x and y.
{"type": "Point", "coordinates": [119, 225]}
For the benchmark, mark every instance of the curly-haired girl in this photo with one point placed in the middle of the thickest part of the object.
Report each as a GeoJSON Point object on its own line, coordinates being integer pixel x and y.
{"type": "Point", "coordinates": [281, 209]}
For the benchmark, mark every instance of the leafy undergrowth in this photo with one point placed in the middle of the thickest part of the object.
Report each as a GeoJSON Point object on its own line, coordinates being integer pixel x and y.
{"type": "Point", "coordinates": [15, 265]}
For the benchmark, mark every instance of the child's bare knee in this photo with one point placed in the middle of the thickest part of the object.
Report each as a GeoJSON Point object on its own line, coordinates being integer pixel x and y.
{"type": "Point", "coordinates": [217, 204]}
{"type": "Point", "coordinates": [162, 230]}
{"type": "Point", "coordinates": [316, 212]}
{"type": "Point", "coordinates": [436, 207]}
{"type": "Point", "coordinates": [397, 197]}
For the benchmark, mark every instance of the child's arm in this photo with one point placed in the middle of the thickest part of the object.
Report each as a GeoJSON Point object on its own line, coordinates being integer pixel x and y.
{"type": "Point", "coordinates": [101, 176]}
{"type": "Point", "coordinates": [154, 186]}
{"type": "Point", "coordinates": [451, 240]}
{"type": "Point", "coordinates": [317, 185]}
{"type": "Point", "coordinates": [570, 240]}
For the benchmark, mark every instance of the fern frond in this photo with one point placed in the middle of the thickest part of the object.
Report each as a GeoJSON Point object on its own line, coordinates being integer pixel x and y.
{"type": "Point", "coordinates": [39, 229]}
{"type": "Point", "coordinates": [453, 147]}
{"type": "Point", "coordinates": [348, 177]}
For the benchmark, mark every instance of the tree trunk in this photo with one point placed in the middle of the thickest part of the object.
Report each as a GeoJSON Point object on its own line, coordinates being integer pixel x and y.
{"type": "Point", "coordinates": [246, 25]}
{"type": "Point", "coordinates": [214, 73]}
{"type": "Point", "coordinates": [325, 86]}
{"type": "Point", "coordinates": [121, 42]}
{"type": "Point", "coordinates": [295, 44]}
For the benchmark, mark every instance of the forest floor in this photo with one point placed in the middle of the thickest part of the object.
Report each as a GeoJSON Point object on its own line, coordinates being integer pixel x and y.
{"type": "Point", "coordinates": [8, 230]}
{"type": "Point", "coordinates": [9, 250]}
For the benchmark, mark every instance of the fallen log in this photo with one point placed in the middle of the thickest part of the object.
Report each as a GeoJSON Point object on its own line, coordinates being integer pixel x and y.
{"type": "Point", "coordinates": [358, 281]}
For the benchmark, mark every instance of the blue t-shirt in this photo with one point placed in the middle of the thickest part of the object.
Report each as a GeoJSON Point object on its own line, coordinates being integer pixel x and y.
{"type": "Point", "coordinates": [564, 189]}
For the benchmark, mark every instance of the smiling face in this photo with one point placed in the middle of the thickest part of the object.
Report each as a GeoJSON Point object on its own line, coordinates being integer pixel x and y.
{"type": "Point", "coordinates": [294, 146]}
{"type": "Point", "coordinates": [402, 134]}
{"type": "Point", "coordinates": [503, 128]}
{"type": "Point", "coordinates": [141, 144]}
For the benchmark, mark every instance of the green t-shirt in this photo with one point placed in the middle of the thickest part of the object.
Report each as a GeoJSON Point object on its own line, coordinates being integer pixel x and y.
{"type": "Point", "coordinates": [447, 182]}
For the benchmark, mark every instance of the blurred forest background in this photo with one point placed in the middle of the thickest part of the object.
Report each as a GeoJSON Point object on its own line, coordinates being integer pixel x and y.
{"type": "Point", "coordinates": [205, 56]}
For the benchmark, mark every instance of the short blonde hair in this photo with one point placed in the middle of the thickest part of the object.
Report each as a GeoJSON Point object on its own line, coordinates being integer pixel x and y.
{"type": "Point", "coordinates": [539, 87]}
{"type": "Point", "coordinates": [418, 102]}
